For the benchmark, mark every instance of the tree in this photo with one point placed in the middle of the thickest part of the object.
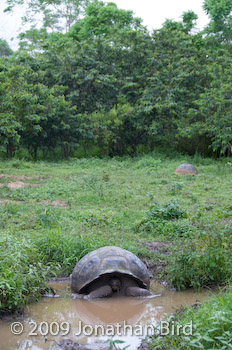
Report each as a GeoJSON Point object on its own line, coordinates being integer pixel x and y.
{"type": "Point", "coordinates": [108, 82]}
{"type": "Point", "coordinates": [213, 115]}
{"type": "Point", "coordinates": [96, 64]}
{"type": "Point", "coordinates": [220, 14]}
{"type": "Point", "coordinates": [5, 49]}
{"type": "Point", "coordinates": [177, 77]}
{"type": "Point", "coordinates": [188, 23]}
{"type": "Point", "coordinates": [56, 14]}
{"type": "Point", "coordinates": [106, 20]}
{"type": "Point", "coordinates": [9, 124]}
{"type": "Point", "coordinates": [121, 40]}
{"type": "Point", "coordinates": [32, 114]}
{"type": "Point", "coordinates": [189, 19]}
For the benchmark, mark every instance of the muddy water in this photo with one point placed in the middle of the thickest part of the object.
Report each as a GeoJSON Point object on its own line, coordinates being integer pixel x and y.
{"type": "Point", "coordinates": [64, 315]}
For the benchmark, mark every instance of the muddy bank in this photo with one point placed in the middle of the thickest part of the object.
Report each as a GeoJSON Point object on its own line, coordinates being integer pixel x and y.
{"type": "Point", "coordinates": [157, 266]}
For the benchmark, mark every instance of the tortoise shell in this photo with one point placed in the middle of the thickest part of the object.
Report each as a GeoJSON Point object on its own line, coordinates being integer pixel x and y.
{"type": "Point", "coordinates": [186, 169]}
{"type": "Point", "coordinates": [108, 260]}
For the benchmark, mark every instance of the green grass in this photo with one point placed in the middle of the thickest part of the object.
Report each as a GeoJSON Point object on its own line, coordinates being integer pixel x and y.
{"type": "Point", "coordinates": [120, 201]}
{"type": "Point", "coordinates": [212, 327]}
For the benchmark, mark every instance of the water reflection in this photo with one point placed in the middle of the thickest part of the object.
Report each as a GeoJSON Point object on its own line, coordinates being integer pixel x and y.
{"type": "Point", "coordinates": [98, 312]}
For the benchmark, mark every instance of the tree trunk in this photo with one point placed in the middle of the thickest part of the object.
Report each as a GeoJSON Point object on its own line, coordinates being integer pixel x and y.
{"type": "Point", "coordinates": [134, 150]}
{"type": "Point", "coordinates": [152, 145]}
{"type": "Point", "coordinates": [10, 150]}
{"type": "Point", "coordinates": [35, 149]}
{"type": "Point", "coordinates": [66, 150]}
{"type": "Point", "coordinates": [45, 152]}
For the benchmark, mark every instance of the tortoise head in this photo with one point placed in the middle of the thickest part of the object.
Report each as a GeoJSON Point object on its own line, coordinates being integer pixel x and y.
{"type": "Point", "coordinates": [115, 284]}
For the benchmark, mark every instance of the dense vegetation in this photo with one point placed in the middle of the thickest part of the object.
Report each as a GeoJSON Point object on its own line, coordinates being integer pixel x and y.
{"type": "Point", "coordinates": [211, 327]}
{"type": "Point", "coordinates": [91, 80]}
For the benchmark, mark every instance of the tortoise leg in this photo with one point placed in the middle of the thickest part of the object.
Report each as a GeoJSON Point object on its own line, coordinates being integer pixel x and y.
{"type": "Point", "coordinates": [137, 292]}
{"type": "Point", "coordinates": [77, 296]}
{"type": "Point", "coordinates": [102, 292]}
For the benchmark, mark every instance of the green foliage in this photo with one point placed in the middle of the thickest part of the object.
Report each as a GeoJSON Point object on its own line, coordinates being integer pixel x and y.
{"type": "Point", "coordinates": [108, 87]}
{"type": "Point", "coordinates": [202, 263]}
{"type": "Point", "coordinates": [113, 344]}
{"type": "Point", "coordinates": [211, 115]}
{"type": "Point", "coordinates": [55, 247]}
{"type": "Point", "coordinates": [176, 187]}
{"type": "Point", "coordinates": [56, 15]}
{"type": "Point", "coordinates": [158, 213]}
{"type": "Point", "coordinates": [32, 112]}
{"type": "Point", "coordinates": [167, 211]}
{"type": "Point", "coordinates": [5, 50]}
{"type": "Point", "coordinates": [27, 263]}
{"type": "Point", "coordinates": [102, 63]}
{"type": "Point", "coordinates": [211, 326]}
{"type": "Point", "coordinates": [148, 163]}
{"type": "Point", "coordinates": [220, 18]}
{"type": "Point", "coordinates": [109, 129]}
{"type": "Point", "coordinates": [189, 20]}
{"type": "Point", "coordinates": [22, 273]}
{"type": "Point", "coordinates": [106, 20]}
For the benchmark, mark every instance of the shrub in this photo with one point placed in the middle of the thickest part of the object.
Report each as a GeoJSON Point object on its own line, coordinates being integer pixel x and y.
{"type": "Point", "coordinates": [175, 187]}
{"type": "Point", "coordinates": [211, 327]}
{"type": "Point", "coordinates": [27, 262]}
{"type": "Point", "coordinates": [159, 214]}
{"type": "Point", "coordinates": [175, 228]}
{"type": "Point", "coordinates": [21, 274]}
{"type": "Point", "coordinates": [202, 263]}
{"type": "Point", "coordinates": [55, 246]}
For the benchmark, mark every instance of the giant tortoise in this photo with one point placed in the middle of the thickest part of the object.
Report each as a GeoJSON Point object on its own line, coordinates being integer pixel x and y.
{"type": "Point", "coordinates": [186, 169]}
{"type": "Point", "coordinates": [110, 270]}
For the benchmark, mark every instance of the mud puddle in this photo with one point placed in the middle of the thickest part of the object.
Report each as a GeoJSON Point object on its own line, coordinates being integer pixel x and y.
{"type": "Point", "coordinates": [53, 319]}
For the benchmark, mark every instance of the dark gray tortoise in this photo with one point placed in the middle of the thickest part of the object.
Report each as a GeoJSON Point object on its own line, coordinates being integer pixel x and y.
{"type": "Point", "coordinates": [186, 169]}
{"type": "Point", "coordinates": [110, 270]}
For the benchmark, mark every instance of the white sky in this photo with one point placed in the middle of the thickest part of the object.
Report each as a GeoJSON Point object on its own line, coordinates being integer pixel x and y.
{"type": "Point", "coordinates": [153, 13]}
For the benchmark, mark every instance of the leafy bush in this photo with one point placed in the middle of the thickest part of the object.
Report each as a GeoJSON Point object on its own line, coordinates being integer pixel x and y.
{"type": "Point", "coordinates": [175, 228]}
{"type": "Point", "coordinates": [21, 274]}
{"type": "Point", "coordinates": [48, 218]}
{"type": "Point", "coordinates": [176, 187]}
{"type": "Point", "coordinates": [55, 246]}
{"type": "Point", "coordinates": [212, 327]}
{"type": "Point", "coordinates": [202, 263]}
{"type": "Point", "coordinates": [160, 214]}
{"type": "Point", "coordinates": [27, 262]}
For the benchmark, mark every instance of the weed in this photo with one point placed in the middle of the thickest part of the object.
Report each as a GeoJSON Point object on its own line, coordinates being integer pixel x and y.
{"type": "Point", "coordinates": [22, 274]}
{"type": "Point", "coordinates": [159, 214]}
{"type": "Point", "coordinates": [56, 247]}
{"type": "Point", "coordinates": [113, 344]}
{"type": "Point", "coordinates": [203, 262]}
{"type": "Point", "coordinates": [148, 162]}
{"type": "Point", "coordinates": [212, 327]}
{"type": "Point", "coordinates": [175, 187]}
